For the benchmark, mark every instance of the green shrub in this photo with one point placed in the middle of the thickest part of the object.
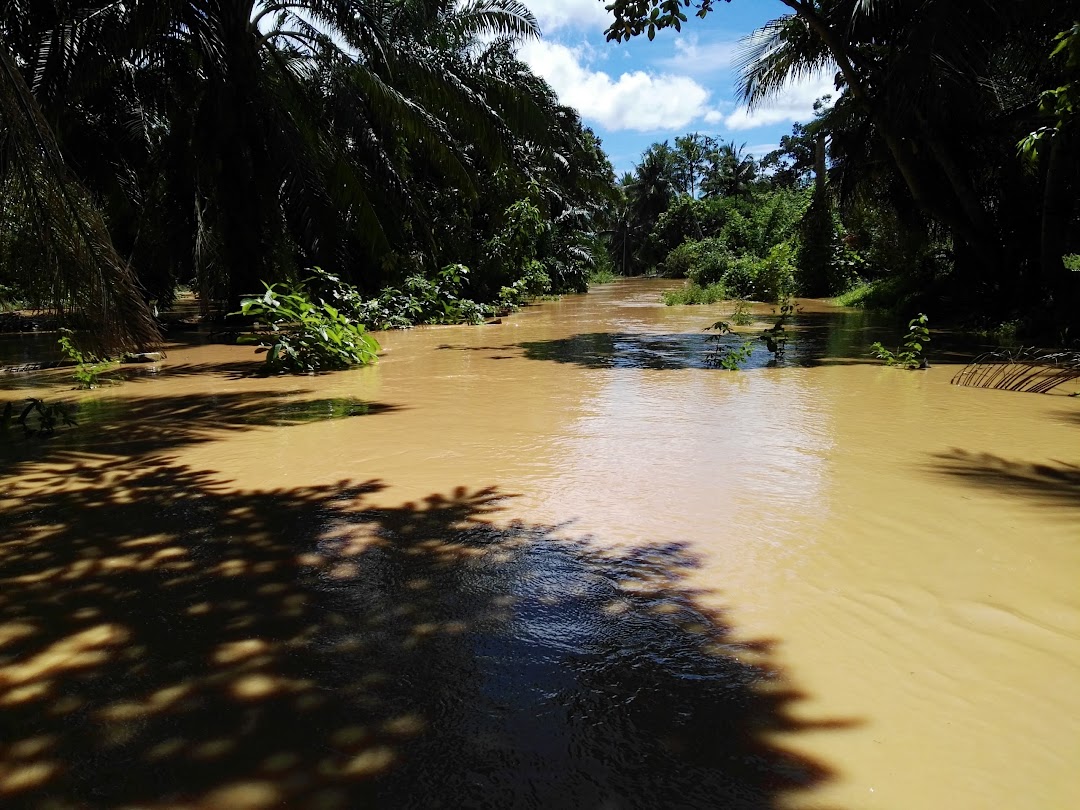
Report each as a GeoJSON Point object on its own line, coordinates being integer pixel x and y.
{"type": "Point", "coordinates": [695, 294]}
{"type": "Point", "coordinates": [739, 234]}
{"type": "Point", "coordinates": [886, 294]}
{"type": "Point", "coordinates": [420, 300]}
{"type": "Point", "coordinates": [602, 275]}
{"type": "Point", "coordinates": [88, 368]}
{"type": "Point", "coordinates": [910, 354]}
{"type": "Point", "coordinates": [742, 315]}
{"type": "Point", "coordinates": [725, 354]}
{"type": "Point", "coordinates": [776, 217]}
{"type": "Point", "coordinates": [304, 336]}
{"type": "Point", "coordinates": [740, 278]}
{"type": "Point", "coordinates": [507, 255]}
{"type": "Point", "coordinates": [534, 282]}
{"type": "Point", "coordinates": [774, 276]}
{"type": "Point", "coordinates": [704, 262]}
{"type": "Point", "coordinates": [680, 223]}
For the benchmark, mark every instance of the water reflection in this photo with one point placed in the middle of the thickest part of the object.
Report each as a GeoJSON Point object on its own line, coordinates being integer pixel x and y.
{"type": "Point", "coordinates": [167, 640]}
{"type": "Point", "coordinates": [814, 339]}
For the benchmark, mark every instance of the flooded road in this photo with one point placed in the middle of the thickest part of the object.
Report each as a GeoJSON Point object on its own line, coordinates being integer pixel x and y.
{"type": "Point", "coordinates": [552, 562]}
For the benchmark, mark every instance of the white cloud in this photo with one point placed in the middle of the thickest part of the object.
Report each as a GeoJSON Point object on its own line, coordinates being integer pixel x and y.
{"type": "Point", "coordinates": [636, 101]}
{"type": "Point", "coordinates": [555, 15]}
{"type": "Point", "coordinates": [760, 150]}
{"type": "Point", "coordinates": [697, 59]}
{"type": "Point", "coordinates": [794, 103]}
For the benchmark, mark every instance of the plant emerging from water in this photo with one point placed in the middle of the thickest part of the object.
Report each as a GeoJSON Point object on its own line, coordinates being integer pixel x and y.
{"type": "Point", "coordinates": [88, 368]}
{"type": "Point", "coordinates": [776, 337]}
{"type": "Point", "coordinates": [911, 353]}
{"type": "Point", "coordinates": [303, 336]}
{"type": "Point", "coordinates": [725, 354]}
{"type": "Point", "coordinates": [695, 294]}
{"type": "Point", "coordinates": [742, 316]}
{"type": "Point", "coordinates": [602, 275]}
{"type": "Point", "coordinates": [419, 300]}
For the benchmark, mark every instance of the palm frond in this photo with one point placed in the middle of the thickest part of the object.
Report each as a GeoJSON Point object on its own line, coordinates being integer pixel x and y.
{"type": "Point", "coordinates": [782, 51]}
{"type": "Point", "coordinates": [82, 273]}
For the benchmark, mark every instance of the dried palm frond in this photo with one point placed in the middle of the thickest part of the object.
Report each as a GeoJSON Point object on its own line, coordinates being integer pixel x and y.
{"type": "Point", "coordinates": [1033, 370]}
{"type": "Point", "coordinates": [78, 271]}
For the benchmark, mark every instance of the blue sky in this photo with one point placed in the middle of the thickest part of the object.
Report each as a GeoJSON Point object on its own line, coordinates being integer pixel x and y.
{"type": "Point", "coordinates": [635, 93]}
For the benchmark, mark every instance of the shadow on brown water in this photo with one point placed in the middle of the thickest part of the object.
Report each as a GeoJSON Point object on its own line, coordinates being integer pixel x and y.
{"type": "Point", "coordinates": [131, 426]}
{"type": "Point", "coordinates": [169, 641]}
{"type": "Point", "coordinates": [1056, 483]}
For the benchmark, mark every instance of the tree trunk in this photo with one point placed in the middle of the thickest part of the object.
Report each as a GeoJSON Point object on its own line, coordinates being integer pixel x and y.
{"type": "Point", "coordinates": [1056, 209]}
{"type": "Point", "coordinates": [820, 178]}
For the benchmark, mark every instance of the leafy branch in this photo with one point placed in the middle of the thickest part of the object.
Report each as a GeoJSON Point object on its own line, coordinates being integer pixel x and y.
{"type": "Point", "coordinates": [910, 354]}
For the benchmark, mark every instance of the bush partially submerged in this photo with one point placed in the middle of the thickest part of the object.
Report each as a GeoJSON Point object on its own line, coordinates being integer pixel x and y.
{"type": "Point", "coordinates": [419, 300]}
{"type": "Point", "coordinates": [695, 294]}
{"type": "Point", "coordinates": [301, 335]}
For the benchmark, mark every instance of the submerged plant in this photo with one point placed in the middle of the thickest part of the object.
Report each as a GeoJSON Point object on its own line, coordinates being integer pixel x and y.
{"type": "Point", "coordinates": [776, 337]}
{"type": "Point", "coordinates": [694, 294]}
{"type": "Point", "coordinates": [602, 275]}
{"type": "Point", "coordinates": [911, 353]}
{"type": "Point", "coordinates": [305, 336]}
{"type": "Point", "coordinates": [741, 316]}
{"type": "Point", "coordinates": [420, 300]}
{"type": "Point", "coordinates": [88, 368]}
{"type": "Point", "coordinates": [727, 356]}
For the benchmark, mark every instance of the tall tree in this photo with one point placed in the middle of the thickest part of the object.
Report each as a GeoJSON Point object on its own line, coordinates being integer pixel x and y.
{"type": "Point", "coordinates": [946, 89]}
{"type": "Point", "coordinates": [690, 158]}
{"type": "Point", "coordinates": [729, 171]}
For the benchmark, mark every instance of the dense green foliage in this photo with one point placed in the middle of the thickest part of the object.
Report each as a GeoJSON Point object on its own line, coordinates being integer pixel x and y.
{"type": "Point", "coordinates": [300, 335]}
{"type": "Point", "coordinates": [695, 294]}
{"type": "Point", "coordinates": [918, 184]}
{"type": "Point", "coordinates": [736, 242]}
{"type": "Point", "coordinates": [222, 144]}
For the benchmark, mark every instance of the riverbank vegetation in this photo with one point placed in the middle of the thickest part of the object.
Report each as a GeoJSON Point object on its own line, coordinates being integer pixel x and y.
{"type": "Point", "coordinates": [943, 175]}
{"type": "Point", "coordinates": [223, 146]}
{"type": "Point", "coordinates": [228, 145]}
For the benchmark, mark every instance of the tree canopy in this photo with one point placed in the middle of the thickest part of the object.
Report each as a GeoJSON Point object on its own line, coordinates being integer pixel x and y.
{"type": "Point", "coordinates": [221, 143]}
{"type": "Point", "coordinates": [933, 97]}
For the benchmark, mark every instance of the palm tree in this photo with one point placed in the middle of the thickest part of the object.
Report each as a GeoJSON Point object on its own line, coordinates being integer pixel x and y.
{"type": "Point", "coordinates": [729, 172]}
{"type": "Point", "coordinates": [691, 156]}
{"type": "Point", "coordinates": [51, 219]}
{"type": "Point", "coordinates": [654, 183]}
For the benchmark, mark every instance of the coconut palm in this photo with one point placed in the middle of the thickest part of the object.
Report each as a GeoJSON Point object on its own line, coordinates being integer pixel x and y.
{"type": "Point", "coordinates": [729, 171]}
{"type": "Point", "coordinates": [227, 141]}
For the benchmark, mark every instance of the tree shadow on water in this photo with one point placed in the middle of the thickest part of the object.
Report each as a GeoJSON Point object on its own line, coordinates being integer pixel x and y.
{"type": "Point", "coordinates": [133, 425]}
{"type": "Point", "coordinates": [167, 641]}
{"type": "Point", "coordinates": [1056, 482]}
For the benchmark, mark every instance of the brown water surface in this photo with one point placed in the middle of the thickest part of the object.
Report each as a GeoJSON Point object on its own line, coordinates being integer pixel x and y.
{"type": "Point", "coordinates": [552, 562]}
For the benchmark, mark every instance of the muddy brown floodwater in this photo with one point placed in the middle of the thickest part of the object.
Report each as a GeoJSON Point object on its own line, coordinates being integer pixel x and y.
{"type": "Point", "coordinates": [553, 562]}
